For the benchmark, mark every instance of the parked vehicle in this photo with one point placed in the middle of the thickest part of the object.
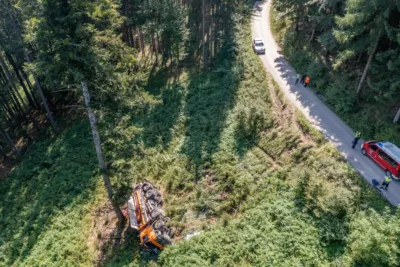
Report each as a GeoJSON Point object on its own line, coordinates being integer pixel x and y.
{"type": "Point", "coordinates": [258, 46]}
{"type": "Point", "coordinates": [146, 215]}
{"type": "Point", "coordinates": [385, 154]}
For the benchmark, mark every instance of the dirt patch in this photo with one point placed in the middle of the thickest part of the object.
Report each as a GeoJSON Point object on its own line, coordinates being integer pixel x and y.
{"type": "Point", "coordinates": [285, 113]}
{"type": "Point", "coordinates": [106, 232]}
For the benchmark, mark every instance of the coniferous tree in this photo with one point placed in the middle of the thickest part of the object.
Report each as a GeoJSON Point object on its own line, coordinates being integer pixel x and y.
{"type": "Point", "coordinates": [361, 29]}
{"type": "Point", "coordinates": [77, 40]}
{"type": "Point", "coordinates": [15, 34]}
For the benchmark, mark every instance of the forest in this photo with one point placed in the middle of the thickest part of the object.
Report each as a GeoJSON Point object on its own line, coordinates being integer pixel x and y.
{"type": "Point", "coordinates": [351, 50]}
{"type": "Point", "coordinates": [97, 95]}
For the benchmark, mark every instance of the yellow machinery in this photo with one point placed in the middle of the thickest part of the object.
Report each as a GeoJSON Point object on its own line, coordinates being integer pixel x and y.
{"type": "Point", "coordinates": [146, 215]}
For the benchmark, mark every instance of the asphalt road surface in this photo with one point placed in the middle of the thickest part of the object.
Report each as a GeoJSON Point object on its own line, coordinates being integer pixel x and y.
{"type": "Point", "coordinates": [319, 115]}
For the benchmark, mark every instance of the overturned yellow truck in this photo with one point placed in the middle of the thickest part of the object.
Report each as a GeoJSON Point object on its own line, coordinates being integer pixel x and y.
{"type": "Point", "coordinates": [146, 215]}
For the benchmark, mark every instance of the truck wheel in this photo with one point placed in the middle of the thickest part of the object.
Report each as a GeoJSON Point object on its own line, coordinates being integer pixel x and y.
{"type": "Point", "coordinates": [153, 194]}
{"type": "Point", "coordinates": [156, 213]}
{"type": "Point", "coordinates": [158, 225]}
{"type": "Point", "coordinates": [166, 219]}
{"type": "Point", "coordinates": [159, 200]}
{"type": "Point", "coordinates": [364, 152]}
{"type": "Point", "coordinates": [146, 187]}
{"type": "Point", "coordinates": [166, 238]}
{"type": "Point", "coordinates": [150, 194]}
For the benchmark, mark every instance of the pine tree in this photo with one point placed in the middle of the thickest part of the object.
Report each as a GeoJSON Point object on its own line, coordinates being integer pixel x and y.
{"type": "Point", "coordinates": [15, 34]}
{"type": "Point", "coordinates": [77, 40]}
{"type": "Point", "coordinates": [295, 10]}
{"type": "Point", "coordinates": [361, 29]}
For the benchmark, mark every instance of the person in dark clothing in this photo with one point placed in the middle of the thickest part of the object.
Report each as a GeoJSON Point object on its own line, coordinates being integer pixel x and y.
{"type": "Point", "coordinates": [356, 138]}
{"type": "Point", "coordinates": [303, 78]}
{"type": "Point", "coordinates": [298, 76]}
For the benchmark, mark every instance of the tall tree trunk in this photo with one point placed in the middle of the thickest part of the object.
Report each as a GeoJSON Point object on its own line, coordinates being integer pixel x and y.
{"type": "Point", "coordinates": [21, 81]}
{"type": "Point", "coordinates": [132, 42]}
{"type": "Point", "coordinates": [2, 152]}
{"type": "Point", "coordinates": [8, 109]}
{"type": "Point", "coordinates": [31, 89]}
{"type": "Point", "coordinates": [97, 144]}
{"type": "Point", "coordinates": [14, 101]}
{"type": "Point", "coordinates": [203, 45]}
{"type": "Point", "coordinates": [10, 80]}
{"type": "Point", "coordinates": [10, 142]}
{"type": "Point", "coordinates": [46, 106]}
{"type": "Point", "coordinates": [211, 35]}
{"type": "Point", "coordinates": [142, 41]}
{"type": "Point", "coordinates": [312, 34]}
{"type": "Point", "coordinates": [216, 28]}
{"type": "Point", "coordinates": [11, 105]}
{"type": "Point", "coordinates": [364, 75]}
{"type": "Point", "coordinates": [397, 117]}
{"type": "Point", "coordinates": [50, 116]}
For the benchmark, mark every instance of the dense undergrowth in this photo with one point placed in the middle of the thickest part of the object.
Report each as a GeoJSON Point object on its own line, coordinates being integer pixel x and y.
{"type": "Point", "coordinates": [45, 203]}
{"type": "Point", "coordinates": [305, 207]}
{"type": "Point", "coordinates": [234, 161]}
{"type": "Point", "coordinates": [367, 112]}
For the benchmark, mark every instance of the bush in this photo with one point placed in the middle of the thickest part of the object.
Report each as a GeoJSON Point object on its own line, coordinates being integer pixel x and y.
{"type": "Point", "coordinates": [343, 99]}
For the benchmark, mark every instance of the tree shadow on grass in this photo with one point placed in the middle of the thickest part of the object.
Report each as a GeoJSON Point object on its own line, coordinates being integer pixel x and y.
{"type": "Point", "coordinates": [54, 175]}
{"type": "Point", "coordinates": [252, 124]}
{"type": "Point", "coordinates": [211, 95]}
{"type": "Point", "coordinates": [158, 119]}
{"type": "Point", "coordinates": [209, 99]}
{"type": "Point", "coordinates": [158, 78]}
{"type": "Point", "coordinates": [158, 124]}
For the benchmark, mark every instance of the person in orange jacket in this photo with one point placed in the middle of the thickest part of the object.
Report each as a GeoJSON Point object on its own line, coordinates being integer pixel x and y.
{"type": "Point", "coordinates": [306, 81]}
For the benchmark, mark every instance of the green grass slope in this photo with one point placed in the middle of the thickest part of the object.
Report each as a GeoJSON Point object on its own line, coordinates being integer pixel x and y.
{"type": "Point", "coordinates": [240, 165]}
{"type": "Point", "coordinates": [45, 203]}
{"type": "Point", "coordinates": [234, 161]}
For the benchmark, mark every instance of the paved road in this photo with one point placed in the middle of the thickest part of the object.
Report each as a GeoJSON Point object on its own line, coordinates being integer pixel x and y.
{"type": "Point", "coordinates": [334, 129]}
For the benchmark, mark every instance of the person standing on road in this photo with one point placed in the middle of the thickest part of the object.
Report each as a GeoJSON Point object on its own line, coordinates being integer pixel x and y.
{"type": "Point", "coordinates": [356, 138]}
{"type": "Point", "coordinates": [302, 78]}
{"type": "Point", "coordinates": [297, 78]}
{"type": "Point", "coordinates": [386, 182]}
{"type": "Point", "coordinates": [306, 81]}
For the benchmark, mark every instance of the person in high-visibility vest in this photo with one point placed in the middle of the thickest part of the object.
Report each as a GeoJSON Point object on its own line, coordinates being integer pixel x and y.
{"type": "Point", "coordinates": [306, 81]}
{"type": "Point", "coordinates": [386, 182]}
{"type": "Point", "coordinates": [356, 138]}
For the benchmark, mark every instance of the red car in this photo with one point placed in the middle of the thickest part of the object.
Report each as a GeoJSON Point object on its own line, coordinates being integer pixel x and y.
{"type": "Point", "coordinates": [385, 154]}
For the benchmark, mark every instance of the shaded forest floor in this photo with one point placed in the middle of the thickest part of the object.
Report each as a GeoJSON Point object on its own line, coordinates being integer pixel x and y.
{"type": "Point", "coordinates": [234, 161]}
{"type": "Point", "coordinates": [23, 138]}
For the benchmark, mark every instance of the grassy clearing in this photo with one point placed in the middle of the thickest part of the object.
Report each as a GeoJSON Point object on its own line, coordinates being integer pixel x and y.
{"type": "Point", "coordinates": [234, 161]}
